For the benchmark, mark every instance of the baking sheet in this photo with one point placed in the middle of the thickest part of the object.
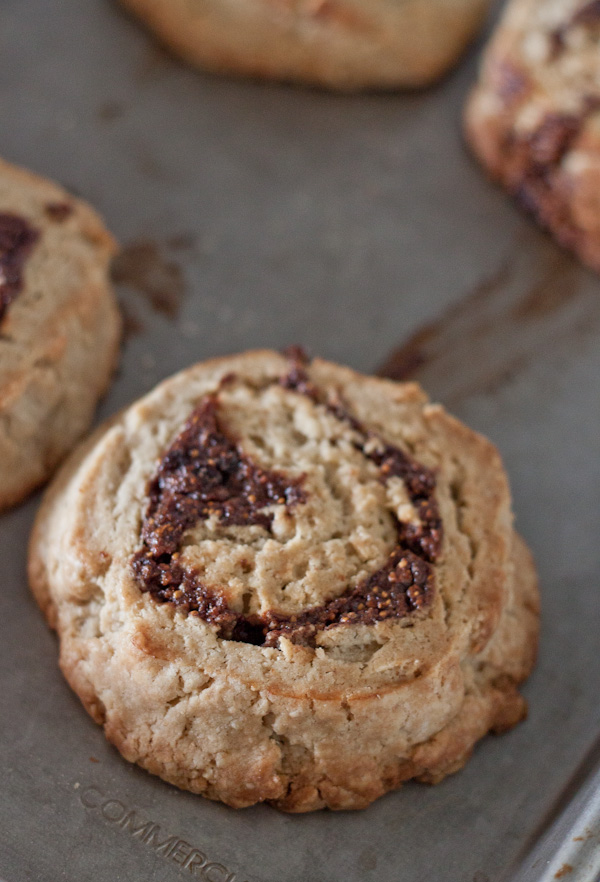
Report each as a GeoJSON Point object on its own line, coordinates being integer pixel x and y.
{"type": "Point", "coordinates": [356, 226]}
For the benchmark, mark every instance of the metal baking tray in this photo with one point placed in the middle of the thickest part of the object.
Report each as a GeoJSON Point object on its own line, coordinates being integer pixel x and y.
{"type": "Point", "coordinates": [257, 215]}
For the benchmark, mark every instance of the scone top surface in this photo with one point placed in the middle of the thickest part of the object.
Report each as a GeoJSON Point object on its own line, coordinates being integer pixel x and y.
{"type": "Point", "coordinates": [310, 541]}
{"type": "Point", "coordinates": [542, 66]}
{"type": "Point", "coordinates": [329, 522]}
{"type": "Point", "coordinates": [555, 47]}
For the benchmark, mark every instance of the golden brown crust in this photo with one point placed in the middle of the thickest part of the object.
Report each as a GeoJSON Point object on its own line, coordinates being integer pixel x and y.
{"type": "Point", "coordinates": [534, 118]}
{"type": "Point", "coordinates": [302, 727]}
{"type": "Point", "coordinates": [339, 44]}
{"type": "Point", "coordinates": [60, 336]}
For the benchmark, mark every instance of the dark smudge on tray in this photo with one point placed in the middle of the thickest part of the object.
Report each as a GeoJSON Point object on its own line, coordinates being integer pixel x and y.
{"type": "Point", "coordinates": [537, 298]}
{"type": "Point", "coordinates": [148, 268]}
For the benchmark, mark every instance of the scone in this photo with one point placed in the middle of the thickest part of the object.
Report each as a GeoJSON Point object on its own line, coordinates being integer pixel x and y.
{"type": "Point", "coordinates": [338, 44]}
{"type": "Point", "coordinates": [534, 118]}
{"type": "Point", "coordinates": [285, 581]}
{"type": "Point", "coordinates": [59, 326]}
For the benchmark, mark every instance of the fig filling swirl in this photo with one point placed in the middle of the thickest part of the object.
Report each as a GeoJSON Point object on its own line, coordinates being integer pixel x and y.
{"type": "Point", "coordinates": [17, 239]}
{"type": "Point", "coordinates": [205, 473]}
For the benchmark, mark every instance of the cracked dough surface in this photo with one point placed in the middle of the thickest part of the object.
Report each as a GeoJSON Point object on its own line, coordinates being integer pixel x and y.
{"type": "Point", "coordinates": [366, 707]}
{"type": "Point", "coordinates": [339, 44]}
{"type": "Point", "coordinates": [534, 117]}
{"type": "Point", "coordinates": [58, 338]}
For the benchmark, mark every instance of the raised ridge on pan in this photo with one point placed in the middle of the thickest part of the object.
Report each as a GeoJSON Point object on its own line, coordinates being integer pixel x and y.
{"type": "Point", "coordinates": [567, 845]}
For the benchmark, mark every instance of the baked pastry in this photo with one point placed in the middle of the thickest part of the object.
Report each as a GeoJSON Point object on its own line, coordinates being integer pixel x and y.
{"type": "Point", "coordinates": [338, 44]}
{"type": "Point", "coordinates": [534, 117]}
{"type": "Point", "coordinates": [59, 326]}
{"type": "Point", "coordinates": [285, 581]}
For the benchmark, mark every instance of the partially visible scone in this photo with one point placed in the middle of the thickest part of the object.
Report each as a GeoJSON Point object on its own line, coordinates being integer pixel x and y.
{"type": "Point", "coordinates": [534, 117]}
{"type": "Point", "coordinates": [282, 581]}
{"type": "Point", "coordinates": [338, 44]}
{"type": "Point", "coordinates": [59, 326]}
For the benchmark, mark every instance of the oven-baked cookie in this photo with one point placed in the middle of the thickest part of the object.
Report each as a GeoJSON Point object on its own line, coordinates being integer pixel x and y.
{"type": "Point", "coordinates": [59, 326]}
{"type": "Point", "coordinates": [285, 581]}
{"type": "Point", "coordinates": [339, 44]}
{"type": "Point", "coordinates": [534, 118]}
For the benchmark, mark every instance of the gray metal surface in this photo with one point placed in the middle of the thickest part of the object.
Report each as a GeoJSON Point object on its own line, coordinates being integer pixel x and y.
{"type": "Point", "coordinates": [571, 847]}
{"type": "Point", "coordinates": [345, 224]}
